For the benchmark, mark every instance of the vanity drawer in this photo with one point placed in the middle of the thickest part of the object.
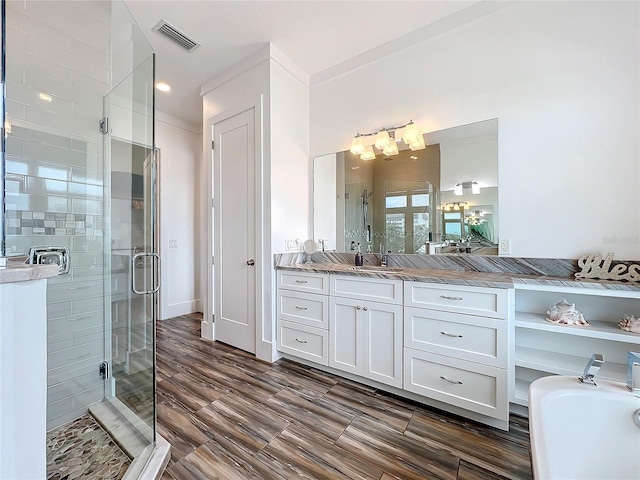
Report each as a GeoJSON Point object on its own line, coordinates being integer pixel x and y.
{"type": "Point", "coordinates": [303, 341]}
{"type": "Point", "coordinates": [477, 339]}
{"type": "Point", "coordinates": [468, 385]}
{"type": "Point", "coordinates": [310, 282]}
{"type": "Point", "coordinates": [487, 302]}
{"type": "Point", "coordinates": [306, 308]}
{"type": "Point", "coordinates": [375, 289]}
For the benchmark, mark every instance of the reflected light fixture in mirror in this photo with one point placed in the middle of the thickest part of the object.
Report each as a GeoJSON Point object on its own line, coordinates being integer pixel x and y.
{"type": "Point", "coordinates": [473, 186]}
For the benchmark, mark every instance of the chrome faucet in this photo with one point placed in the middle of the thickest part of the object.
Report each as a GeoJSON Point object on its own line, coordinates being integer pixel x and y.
{"type": "Point", "coordinates": [593, 365]}
{"type": "Point", "coordinates": [383, 256]}
{"type": "Point", "coordinates": [633, 372]}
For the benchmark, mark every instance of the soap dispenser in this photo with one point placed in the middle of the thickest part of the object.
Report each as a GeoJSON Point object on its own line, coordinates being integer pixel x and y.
{"type": "Point", "coordinates": [359, 259]}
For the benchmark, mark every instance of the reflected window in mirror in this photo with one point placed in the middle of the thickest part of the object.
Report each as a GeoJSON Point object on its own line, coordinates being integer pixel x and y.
{"type": "Point", "coordinates": [464, 156]}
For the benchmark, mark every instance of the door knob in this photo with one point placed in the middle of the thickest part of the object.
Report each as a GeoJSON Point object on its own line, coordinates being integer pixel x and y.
{"type": "Point", "coordinates": [251, 262]}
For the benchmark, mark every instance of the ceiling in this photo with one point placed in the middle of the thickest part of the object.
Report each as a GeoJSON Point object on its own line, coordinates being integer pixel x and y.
{"type": "Point", "coordinates": [315, 35]}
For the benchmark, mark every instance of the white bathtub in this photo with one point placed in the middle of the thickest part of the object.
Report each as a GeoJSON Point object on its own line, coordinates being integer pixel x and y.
{"type": "Point", "coordinates": [582, 432]}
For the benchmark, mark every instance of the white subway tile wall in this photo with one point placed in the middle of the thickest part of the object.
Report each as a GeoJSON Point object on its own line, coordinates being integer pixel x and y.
{"type": "Point", "coordinates": [58, 71]}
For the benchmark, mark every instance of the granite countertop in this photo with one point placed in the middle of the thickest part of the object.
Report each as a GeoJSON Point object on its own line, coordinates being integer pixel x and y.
{"type": "Point", "coordinates": [452, 277]}
{"type": "Point", "coordinates": [18, 271]}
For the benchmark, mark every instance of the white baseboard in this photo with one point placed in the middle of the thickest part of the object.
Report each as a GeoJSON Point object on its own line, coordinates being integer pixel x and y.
{"type": "Point", "coordinates": [207, 330]}
{"type": "Point", "coordinates": [177, 309]}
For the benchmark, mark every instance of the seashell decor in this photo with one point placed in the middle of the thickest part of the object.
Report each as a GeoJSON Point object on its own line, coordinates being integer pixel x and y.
{"type": "Point", "coordinates": [630, 323]}
{"type": "Point", "coordinates": [565, 313]}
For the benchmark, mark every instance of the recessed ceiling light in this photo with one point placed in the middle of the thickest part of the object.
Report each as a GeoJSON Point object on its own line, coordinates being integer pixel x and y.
{"type": "Point", "coordinates": [163, 87]}
{"type": "Point", "coordinates": [45, 97]}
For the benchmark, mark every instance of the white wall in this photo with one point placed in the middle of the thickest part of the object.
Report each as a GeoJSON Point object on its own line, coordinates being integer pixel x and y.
{"type": "Point", "coordinates": [180, 154]}
{"type": "Point", "coordinates": [286, 173]}
{"type": "Point", "coordinates": [561, 77]}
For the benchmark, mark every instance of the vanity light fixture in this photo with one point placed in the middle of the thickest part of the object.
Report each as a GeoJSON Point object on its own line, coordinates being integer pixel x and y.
{"type": "Point", "coordinates": [475, 188]}
{"type": "Point", "coordinates": [386, 141]}
{"type": "Point", "coordinates": [455, 206]}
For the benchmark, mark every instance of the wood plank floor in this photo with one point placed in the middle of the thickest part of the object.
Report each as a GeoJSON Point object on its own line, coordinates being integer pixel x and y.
{"type": "Point", "coordinates": [229, 416]}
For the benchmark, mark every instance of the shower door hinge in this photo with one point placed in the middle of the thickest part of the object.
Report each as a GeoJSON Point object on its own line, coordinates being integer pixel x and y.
{"type": "Point", "coordinates": [212, 145]}
{"type": "Point", "coordinates": [104, 370]}
{"type": "Point", "coordinates": [213, 261]}
{"type": "Point", "coordinates": [104, 125]}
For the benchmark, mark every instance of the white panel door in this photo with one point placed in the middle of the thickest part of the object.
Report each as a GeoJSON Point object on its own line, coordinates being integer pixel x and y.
{"type": "Point", "coordinates": [345, 334]}
{"type": "Point", "coordinates": [382, 349]}
{"type": "Point", "coordinates": [234, 231]}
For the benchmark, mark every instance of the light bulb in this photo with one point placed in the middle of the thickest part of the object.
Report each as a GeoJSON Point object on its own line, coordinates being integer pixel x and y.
{"type": "Point", "coordinates": [411, 134]}
{"type": "Point", "coordinates": [391, 149]}
{"type": "Point", "coordinates": [357, 145]}
{"type": "Point", "coordinates": [419, 145]}
{"type": "Point", "coordinates": [382, 140]}
{"type": "Point", "coordinates": [368, 153]}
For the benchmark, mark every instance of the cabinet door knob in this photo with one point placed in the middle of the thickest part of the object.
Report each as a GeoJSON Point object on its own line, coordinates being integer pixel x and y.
{"type": "Point", "coordinates": [251, 262]}
{"type": "Point", "coordinates": [366, 308]}
{"type": "Point", "coordinates": [358, 307]}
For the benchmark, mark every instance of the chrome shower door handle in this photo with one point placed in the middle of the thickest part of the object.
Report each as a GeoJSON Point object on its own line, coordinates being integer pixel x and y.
{"type": "Point", "coordinates": [134, 260]}
{"type": "Point", "coordinates": [251, 262]}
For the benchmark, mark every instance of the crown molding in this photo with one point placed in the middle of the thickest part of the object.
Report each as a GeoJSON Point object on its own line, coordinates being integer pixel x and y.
{"type": "Point", "coordinates": [410, 40]}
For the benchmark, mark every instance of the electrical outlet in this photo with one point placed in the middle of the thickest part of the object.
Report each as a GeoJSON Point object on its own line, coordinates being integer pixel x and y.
{"type": "Point", "coordinates": [504, 246]}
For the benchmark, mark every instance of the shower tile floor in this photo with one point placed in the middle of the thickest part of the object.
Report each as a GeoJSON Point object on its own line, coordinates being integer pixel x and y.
{"type": "Point", "coordinates": [82, 449]}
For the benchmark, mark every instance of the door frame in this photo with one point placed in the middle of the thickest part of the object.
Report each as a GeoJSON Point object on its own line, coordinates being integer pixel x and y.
{"type": "Point", "coordinates": [207, 329]}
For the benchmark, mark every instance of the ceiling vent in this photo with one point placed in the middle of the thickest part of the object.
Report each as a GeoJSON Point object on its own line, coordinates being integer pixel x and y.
{"type": "Point", "coordinates": [176, 35]}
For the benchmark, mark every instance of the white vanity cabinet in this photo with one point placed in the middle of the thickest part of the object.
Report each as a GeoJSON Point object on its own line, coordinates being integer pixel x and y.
{"type": "Point", "coordinates": [456, 345]}
{"type": "Point", "coordinates": [365, 336]}
{"type": "Point", "coordinates": [543, 348]}
{"type": "Point", "coordinates": [303, 315]}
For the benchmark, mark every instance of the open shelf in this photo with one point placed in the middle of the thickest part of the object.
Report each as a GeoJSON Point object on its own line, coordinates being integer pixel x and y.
{"type": "Point", "coordinates": [596, 329]}
{"type": "Point", "coordinates": [562, 364]}
{"type": "Point", "coordinates": [625, 290]}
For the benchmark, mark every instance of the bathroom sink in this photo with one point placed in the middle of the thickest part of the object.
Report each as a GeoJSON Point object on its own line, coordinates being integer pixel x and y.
{"type": "Point", "coordinates": [373, 268]}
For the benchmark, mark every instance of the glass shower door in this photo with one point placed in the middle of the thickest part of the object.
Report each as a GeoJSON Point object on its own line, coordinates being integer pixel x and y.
{"type": "Point", "coordinates": [130, 249]}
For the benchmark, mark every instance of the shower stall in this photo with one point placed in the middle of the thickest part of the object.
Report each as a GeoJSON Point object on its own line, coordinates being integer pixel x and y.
{"type": "Point", "coordinates": [79, 174]}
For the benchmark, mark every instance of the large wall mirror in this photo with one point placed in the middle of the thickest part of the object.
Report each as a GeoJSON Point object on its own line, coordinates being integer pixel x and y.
{"type": "Point", "coordinates": [441, 199]}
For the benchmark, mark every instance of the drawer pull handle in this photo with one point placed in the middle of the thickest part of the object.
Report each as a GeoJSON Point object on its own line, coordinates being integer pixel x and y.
{"type": "Point", "coordinates": [454, 335]}
{"type": "Point", "coordinates": [301, 341]}
{"type": "Point", "coordinates": [302, 281]}
{"type": "Point", "coordinates": [300, 308]}
{"type": "Point", "coordinates": [455, 382]}
{"type": "Point", "coordinates": [446, 297]}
